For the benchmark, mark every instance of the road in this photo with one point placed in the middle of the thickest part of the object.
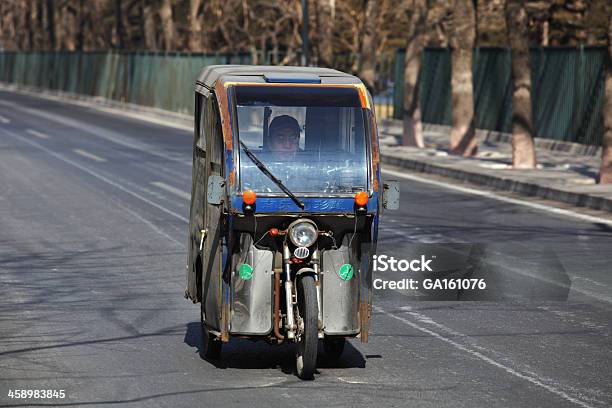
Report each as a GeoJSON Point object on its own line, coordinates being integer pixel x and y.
{"type": "Point", "coordinates": [93, 213]}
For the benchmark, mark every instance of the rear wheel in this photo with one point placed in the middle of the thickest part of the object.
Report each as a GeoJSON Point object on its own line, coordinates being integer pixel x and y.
{"type": "Point", "coordinates": [210, 349]}
{"type": "Point", "coordinates": [306, 353]}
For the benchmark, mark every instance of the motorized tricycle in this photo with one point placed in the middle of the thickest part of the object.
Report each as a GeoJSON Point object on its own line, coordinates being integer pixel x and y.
{"type": "Point", "coordinates": [285, 204]}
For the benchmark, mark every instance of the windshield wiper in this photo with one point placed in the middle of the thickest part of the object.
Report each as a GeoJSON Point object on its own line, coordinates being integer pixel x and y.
{"type": "Point", "coordinates": [271, 176]}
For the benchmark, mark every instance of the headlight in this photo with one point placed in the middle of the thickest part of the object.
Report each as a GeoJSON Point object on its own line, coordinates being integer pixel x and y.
{"type": "Point", "coordinates": [303, 233]}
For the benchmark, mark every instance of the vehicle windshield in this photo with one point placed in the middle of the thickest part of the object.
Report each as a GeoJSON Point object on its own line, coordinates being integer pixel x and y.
{"type": "Point", "coordinates": [311, 138]}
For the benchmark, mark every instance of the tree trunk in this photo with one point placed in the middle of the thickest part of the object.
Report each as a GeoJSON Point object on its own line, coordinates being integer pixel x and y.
{"type": "Point", "coordinates": [81, 30]}
{"type": "Point", "coordinates": [119, 29]}
{"type": "Point", "coordinates": [167, 23]}
{"type": "Point", "coordinates": [148, 27]}
{"type": "Point", "coordinates": [462, 138]}
{"type": "Point", "coordinates": [23, 26]}
{"type": "Point", "coordinates": [325, 33]}
{"type": "Point", "coordinates": [413, 128]}
{"type": "Point", "coordinates": [605, 172]}
{"type": "Point", "coordinates": [367, 71]}
{"type": "Point", "coordinates": [50, 14]}
{"type": "Point", "coordinates": [195, 26]}
{"type": "Point", "coordinates": [36, 28]}
{"type": "Point", "coordinates": [7, 26]}
{"type": "Point", "coordinates": [523, 149]}
{"type": "Point", "coordinates": [68, 26]}
{"type": "Point", "coordinates": [93, 34]}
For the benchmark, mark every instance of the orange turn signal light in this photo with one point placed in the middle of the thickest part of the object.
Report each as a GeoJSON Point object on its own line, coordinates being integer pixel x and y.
{"type": "Point", "coordinates": [361, 198]}
{"type": "Point", "coordinates": [249, 197]}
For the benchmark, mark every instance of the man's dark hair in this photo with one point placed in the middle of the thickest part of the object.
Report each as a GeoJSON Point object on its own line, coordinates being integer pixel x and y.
{"type": "Point", "coordinates": [283, 122]}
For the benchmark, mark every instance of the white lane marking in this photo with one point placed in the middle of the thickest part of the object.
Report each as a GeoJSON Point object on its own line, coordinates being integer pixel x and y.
{"type": "Point", "coordinates": [270, 382]}
{"type": "Point", "coordinates": [424, 237]}
{"type": "Point", "coordinates": [142, 116]}
{"type": "Point", "coordinates": [4, 119]}
{"type": "Point", "coordinates": [533, 378]}
{"type": "Point", "coordinates": [38, 134]}
{"type": "Point", "coordinates": [99, 176]}
{"type": "Point", "coordinates": [573, 318]}
{"type": "Point", "coordinates": [88, 155]}
{"type": "Point", "coordinates": [488, 194]}
{"type": "Point", "coordinates": [102, 133]}
{"type": "Point", "coordinates": [171, 189]}
{"type": "Point", "coordinates": [352, 381]}
{"type": "Point", "coordinates": [150, 224]}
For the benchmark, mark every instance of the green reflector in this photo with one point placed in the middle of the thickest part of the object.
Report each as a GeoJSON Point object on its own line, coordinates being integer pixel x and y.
{"type": "Point", "coordinates": [245, 271]}
{"type": "Point", "coordinates": [346, 271]}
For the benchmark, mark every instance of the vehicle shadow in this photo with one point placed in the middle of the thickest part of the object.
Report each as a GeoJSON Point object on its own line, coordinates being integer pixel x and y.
{"type": "Point", "coordinates": [252, 354]}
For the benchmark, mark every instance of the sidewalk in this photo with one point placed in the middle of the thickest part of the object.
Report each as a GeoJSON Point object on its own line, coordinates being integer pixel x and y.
{"type": "Point", "coordinates": [566, 172]}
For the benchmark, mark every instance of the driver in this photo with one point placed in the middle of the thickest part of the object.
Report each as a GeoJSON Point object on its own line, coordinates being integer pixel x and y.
{"type": "Point", "coordinates": [284, 134]}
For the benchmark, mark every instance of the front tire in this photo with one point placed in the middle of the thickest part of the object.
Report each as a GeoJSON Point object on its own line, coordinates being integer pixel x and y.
{"type": "Point", "coordinates": [210, 349]}
{"type": "Point", "coordinates": [306, 353]}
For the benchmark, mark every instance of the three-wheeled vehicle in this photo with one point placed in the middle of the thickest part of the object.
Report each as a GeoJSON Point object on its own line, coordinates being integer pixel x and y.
{"type": "Point", "coordinates": [285, 202]}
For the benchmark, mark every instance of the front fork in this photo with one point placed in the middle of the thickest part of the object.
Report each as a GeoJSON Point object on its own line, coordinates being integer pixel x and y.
{"type": "Point", "coordinates": [316, 266]}
{"type": "Point", "coordinates": [291, 325]}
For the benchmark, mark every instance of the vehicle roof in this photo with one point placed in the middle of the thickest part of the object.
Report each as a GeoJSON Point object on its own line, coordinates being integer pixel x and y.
{"type": "Point", "coordinates": [255, 73]}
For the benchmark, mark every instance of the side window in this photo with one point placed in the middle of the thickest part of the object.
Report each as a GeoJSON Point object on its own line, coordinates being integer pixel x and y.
{"type": "Point", "coordinates": [216, 134]}
{"type": "Point", "coordinates": [205, 102]}
{"type": "Point", "coordinates": [216, 122]}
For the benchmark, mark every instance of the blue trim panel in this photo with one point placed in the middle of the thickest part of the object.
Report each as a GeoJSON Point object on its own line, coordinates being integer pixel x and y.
{"type": "Point", "coordinates": [297, 78]}
{"type": "Point", "coordinates": [229, 154]}
{"type": "Point", "coordinates": [330, 205]}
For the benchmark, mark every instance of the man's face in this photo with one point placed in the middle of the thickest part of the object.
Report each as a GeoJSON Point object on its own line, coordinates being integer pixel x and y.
{"type": "Point", "coordinates": [285, 139]}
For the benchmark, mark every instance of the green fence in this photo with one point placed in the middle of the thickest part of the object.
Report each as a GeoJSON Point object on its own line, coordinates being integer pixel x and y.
{"type": "Point", "coordinates": [567, 90]}
{"type": "Point", "coordinates": [567, 83]}
{"type": "Point", "coordinates": [161, 80]}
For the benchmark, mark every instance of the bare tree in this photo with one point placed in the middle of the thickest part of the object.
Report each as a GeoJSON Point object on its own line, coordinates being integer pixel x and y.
{"type": "Point", "coordinates": [523, 148]}
{"type": "Point", "coordinates": [148, 27]}
{"type": "Point", "coordinates": [325, 38]}
{"type": "Point", "coordinates": [32, 24]}
{"type": "Point", "coordinates": [367, 70]}
{"type": "Point", "coordinates": [119, 26]}
{"type": "Point", "coordinates": [21, 23]}
{"type": "Point", "coordinates": [412, 134]}
{"type": "Point", "coordinates": [596, 21]}
{"type": "Point", "coordinates": [605, 172]}
{"type": "Point", "coordinates": [7, 26]}
{"type": "Point", "coordinates": [439, 23]}
{"type": "Point", "coordinates": [167, 24]}
{"type": "Point", "coordinates": [491, 25]}
{"type": "Point", "coordinates": [14, 25]}
{"type": "Point", "coordinates": [96, 36]}
{"type": "Point", "coordinates": [50, 23]}
{"type": "Point", "coordinates": [195, 26]}
{"type": "Point", "coordinates": [462, 138]}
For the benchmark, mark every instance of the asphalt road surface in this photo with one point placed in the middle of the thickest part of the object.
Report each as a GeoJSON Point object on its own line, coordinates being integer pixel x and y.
{"type": "Point", "coordinates": [93, 224]}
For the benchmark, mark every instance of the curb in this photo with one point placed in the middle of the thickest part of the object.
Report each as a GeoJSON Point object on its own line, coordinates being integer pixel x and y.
{"type": "Point", "coordinates": [504, 184]}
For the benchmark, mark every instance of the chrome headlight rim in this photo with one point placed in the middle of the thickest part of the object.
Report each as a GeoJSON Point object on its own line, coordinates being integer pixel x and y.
{"type": "Point", "coordinates": [303, 222]}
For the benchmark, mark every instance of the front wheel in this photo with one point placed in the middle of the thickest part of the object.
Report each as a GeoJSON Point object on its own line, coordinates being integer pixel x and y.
{"type": "Point", "coordinates": [308, 311]}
